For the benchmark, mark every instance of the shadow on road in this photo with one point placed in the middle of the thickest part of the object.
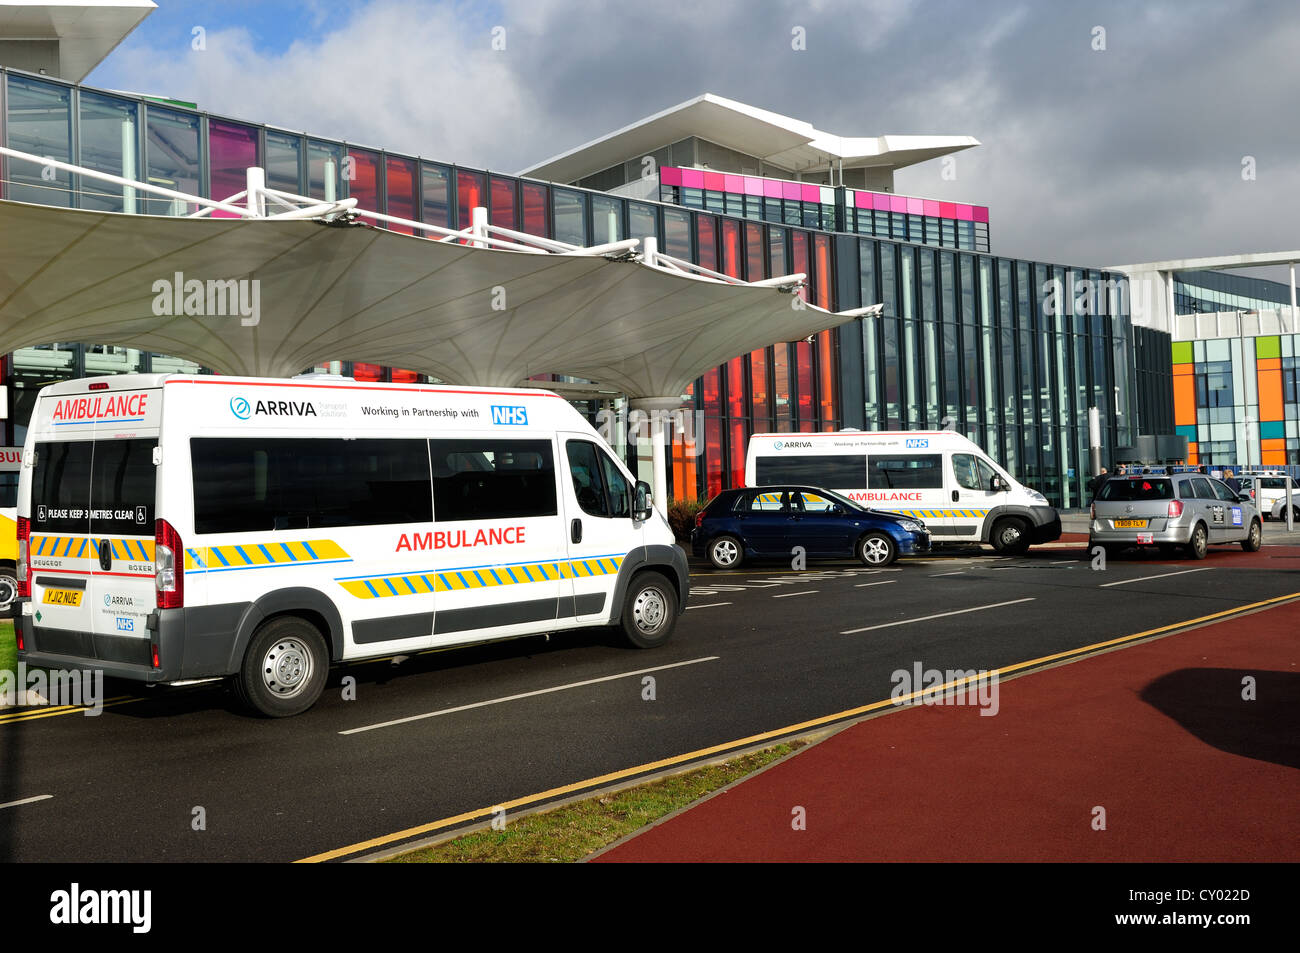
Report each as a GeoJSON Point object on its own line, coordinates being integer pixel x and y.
{"type": "Point", "coordinates": [1208, 703]}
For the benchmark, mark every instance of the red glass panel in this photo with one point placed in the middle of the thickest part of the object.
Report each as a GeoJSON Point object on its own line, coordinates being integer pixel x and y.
{"type": "Point", "coordinates": [822, 273]}
{"type": "Point", "coordinates": [535, 217]}
{"type": "Point", "coordinates": [736, 387]}
{"type": "Point", "coordinates": [401, 193]}
{"type": "Point", "coordinates": [503, 203]}
{"type": "Point", "coordinates": [232, 150]}
{"type": "Point", "coordinates": [759, 399]}
{"type": "Point", "coordinates": [706, 241]}
{"type": "Point", "coordinates": [470, 194]}
{"type": "Point", "coordinates": [799, 258]}
{"type": "Point", "coordinates": [363, 178]}
{"type": "Point", "coordinates": [405, 377]}
{"type": "Point", "coordinates": [367, 372]}
{"type": "Point", "coordinates": [731, 248]}
{"type": "Point", "coordinates": [803, 360]}
{"type": "Point", "coordinates": [736, 471]}
{"type": "Point", "coordinates": [826, 379]}
{"type": "Point", "coordinates": [712, 394]}
{"type": "Point", "coordinates": [712, 457]}
{"type": "Point", "coordinates": [781, 388]}
{"type": "Point", "coordinates": [754, 253]}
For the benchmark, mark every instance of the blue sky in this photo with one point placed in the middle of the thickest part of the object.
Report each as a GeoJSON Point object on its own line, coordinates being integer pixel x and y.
{"type": "Point", "coordinates": [1131, 152]}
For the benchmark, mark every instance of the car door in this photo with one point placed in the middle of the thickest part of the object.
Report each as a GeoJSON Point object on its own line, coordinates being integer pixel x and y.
{"type": "Point", "coordinates": [972, 494]}
{"type": "Point", "coordinates": [1209, 509]}
{"type": "Point", "coordinates": [763, 518]}
{"type": "Point", "coordinates": [600, 529]}
{"type": "Point", "coordinates": [1236, 522]}
{"type": "Point", "coordinates": [821, 523]}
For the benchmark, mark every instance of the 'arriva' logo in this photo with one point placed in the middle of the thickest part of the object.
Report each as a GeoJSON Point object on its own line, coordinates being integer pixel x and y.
{"type": "Point", "coordinates": [240, 407]}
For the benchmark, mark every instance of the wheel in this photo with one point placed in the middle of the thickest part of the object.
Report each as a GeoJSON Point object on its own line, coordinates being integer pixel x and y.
{"type": "Point", "coordinates": [284, 669]}
{"type": "Point", "coordinates": [649, 611]}
{"type": "Point", "coordinates": [1010, 536]}
{"type": "Point", "coordinates": [1198, 545]}
{"type": "Point", "coordinates": [8, 588]}
{"type": "Point", "coordinates": [1252, 542]}
{"type": "Point", "coordinates": [725, 552]}
{"type": "Point", "coordinates": [877, 549]}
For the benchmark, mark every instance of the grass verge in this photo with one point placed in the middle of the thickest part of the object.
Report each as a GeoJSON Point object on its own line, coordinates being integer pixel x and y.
{"type": "Point", "coordinates": [8, 646]}
{"type": "Point", "coordinates": [570, 833]}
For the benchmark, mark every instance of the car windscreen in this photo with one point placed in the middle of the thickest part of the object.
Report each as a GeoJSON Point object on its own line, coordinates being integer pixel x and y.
{"type": "Point", "coordinates": [1136, 490]}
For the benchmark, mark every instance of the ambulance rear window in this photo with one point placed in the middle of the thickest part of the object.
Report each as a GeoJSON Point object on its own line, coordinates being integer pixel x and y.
{"type": "Point", "coordinates": [492, 479]}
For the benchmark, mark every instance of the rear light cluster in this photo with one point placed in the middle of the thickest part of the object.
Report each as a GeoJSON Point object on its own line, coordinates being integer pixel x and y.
{"type": "Point", "coordinates": [168, 566]}
{"type": "Point", "coordinates": [1175, 508]}
{"type": "Point", "coordinates": [699, 519]}
{"type": "Point", "coordinates": [24, 536]}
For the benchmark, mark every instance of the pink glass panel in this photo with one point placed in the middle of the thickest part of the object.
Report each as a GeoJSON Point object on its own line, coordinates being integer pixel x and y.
{"type": "Point", "coordinates": [692, 179]}
{"type": "Point", "coordinates": [981, 213]}
{"type": "Point", "coordinates": [753, 186]}
{"type": "Point", "coordinates": [915, 206]}
{"type": "Point", "coordinates": [948, 209]}
{"type": "Point", "coordinates": [713, 181]}
{"type": "Point", "coordinates": [897, 203]}
{"type": "Point", "coordinates": [810, 193]}
{"type": "Point", "coordinates": [670, 175]}
{"type": "Point", "coordinates": [931, 208]}
{"type": "Point", "coordinates": [232, 150]}
{"type": "Point", "coordinates": [965, 213]}
{"type": "Point", "coordinates": [880, 201]}
{"type": "Point", "coordinates": [771, 189]}
{"type": "Point", "coordinates": [733, 183]}
{"type": "Point", "coordinates": [791, 190]}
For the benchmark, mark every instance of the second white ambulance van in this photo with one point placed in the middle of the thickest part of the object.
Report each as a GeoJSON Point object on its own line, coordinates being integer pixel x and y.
{"type": "Point", "coordinates": [938, 476]}
{"type": "Point", "coordinates": [179, 527]}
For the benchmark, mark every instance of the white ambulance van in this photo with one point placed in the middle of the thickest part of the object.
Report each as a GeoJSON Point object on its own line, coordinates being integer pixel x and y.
{"type": "Point", "coordinates": [939, 477]}
{"type": "Point", "coordinates": [177, 527]}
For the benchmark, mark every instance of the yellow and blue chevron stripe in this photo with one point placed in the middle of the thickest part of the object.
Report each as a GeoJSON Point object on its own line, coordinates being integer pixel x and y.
{"type": "Point", "coordinates": [478, 577]}
{"type": "Point", "coordinates": [87, 547]}
{"type": "Point", "coordinates": [941, 514]}
{"type": "Point", "coordinates": [312, 552]}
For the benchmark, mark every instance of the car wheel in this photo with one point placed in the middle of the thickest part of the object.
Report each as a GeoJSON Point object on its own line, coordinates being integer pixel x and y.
{"type": "Point", "coordinates": [877, 549]}
{"type": "Point", "coordinates": [649, 611]}
{"type": "Point", "coordinates": [1010, 537]}
{"type": "Point", "coordinates": [1253, 541]}
{"type": "Point", "coordinates": [284, 669]}
{"type": "Point", "coordinates": [8, 588]}
{"type": "Point", "coordinates": [1198, 545]}
{"type": "Point", "coordinates": [725, 552]}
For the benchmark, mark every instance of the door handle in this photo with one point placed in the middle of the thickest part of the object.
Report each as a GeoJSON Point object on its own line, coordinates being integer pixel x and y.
{"type": "Point", "coordinates": [105, 555]}
{"type": "Point", "coordinates": [575, 531]}
{"type": "Point", "coordinates": [955, 496]}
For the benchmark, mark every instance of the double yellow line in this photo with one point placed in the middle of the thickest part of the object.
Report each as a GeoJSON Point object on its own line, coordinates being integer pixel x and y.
{"type": "Point", "coordinates": [803, 726]}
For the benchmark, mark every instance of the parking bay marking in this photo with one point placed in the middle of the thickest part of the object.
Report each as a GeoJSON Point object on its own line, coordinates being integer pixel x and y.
{"type": "Point", "coordinates": [27, 800]}
{"type": "Point", "coordinates": [883, 582]}
{"type": "Point", "coordinates": [1163, 575]}
{"type": "Point", "coordinates": [540, 691]}
{"type": "Point", "coordinates": [710, 605]}
{"type": "Point", "coordinates": [787, 595]}
{"type": "Point", "coordinates": [937, 615]}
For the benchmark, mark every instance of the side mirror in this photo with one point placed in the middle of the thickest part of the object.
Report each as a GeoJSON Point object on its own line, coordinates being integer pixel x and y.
{"type": "Point", "coordinates": [997, 483]}
{"type": "Point", "coordinates": [1244, 498]}
{"type": "Point", "coordinates": [838, 510]}
{"type": "Point", "coordinates": [644, 502]}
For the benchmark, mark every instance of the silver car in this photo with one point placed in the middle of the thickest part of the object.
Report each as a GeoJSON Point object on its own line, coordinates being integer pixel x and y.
{"type": "Point", "coordinates": [1188, 511]}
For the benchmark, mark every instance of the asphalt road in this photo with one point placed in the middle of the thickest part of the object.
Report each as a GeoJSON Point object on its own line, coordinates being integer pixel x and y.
{"type": "Point", "coordinates": [458, 732]}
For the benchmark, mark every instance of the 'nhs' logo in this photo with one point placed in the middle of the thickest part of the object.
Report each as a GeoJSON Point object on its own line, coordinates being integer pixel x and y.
{"type": "Point", "coordinates": [509, 414]}
{"type": "Point", "coordinates": [916, 442]}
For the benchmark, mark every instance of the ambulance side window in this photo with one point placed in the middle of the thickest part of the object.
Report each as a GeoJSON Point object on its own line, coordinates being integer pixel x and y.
{"type": "Point", "coordinates": [589, 479]}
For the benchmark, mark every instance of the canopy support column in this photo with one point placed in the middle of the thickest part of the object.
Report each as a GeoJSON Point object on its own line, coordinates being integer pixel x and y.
{"type": "Point", "coordinates": [658, 408]}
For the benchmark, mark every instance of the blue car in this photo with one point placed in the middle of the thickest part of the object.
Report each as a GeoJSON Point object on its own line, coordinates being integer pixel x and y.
{"type": "Point", "coordinates": [770, 521]}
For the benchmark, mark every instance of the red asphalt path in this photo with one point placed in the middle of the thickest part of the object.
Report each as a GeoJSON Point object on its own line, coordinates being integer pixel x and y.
{"type": "Point", "coordinates": [1156, 734]}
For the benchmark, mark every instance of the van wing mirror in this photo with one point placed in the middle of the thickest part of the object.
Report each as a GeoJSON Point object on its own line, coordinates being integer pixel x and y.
{"type": "Point", "coordinates": [643, 504]}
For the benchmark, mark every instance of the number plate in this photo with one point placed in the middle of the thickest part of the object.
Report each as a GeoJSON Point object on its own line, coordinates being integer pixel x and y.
{"type": "Point", "coordinates": [1130, 524]}
{"type": "Point", "coordinates": [1144, 538]}
{"type": "Point", "coordinates": [62, 597]}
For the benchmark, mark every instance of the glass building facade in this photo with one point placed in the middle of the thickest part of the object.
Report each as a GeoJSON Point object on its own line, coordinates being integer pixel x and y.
{"type": "Point", "coordinates": [1237, 400]}
{"type": "Point", "coordinates": [967, 341]}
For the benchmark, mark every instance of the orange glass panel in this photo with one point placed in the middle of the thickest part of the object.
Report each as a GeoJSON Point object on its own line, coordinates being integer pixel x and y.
{"type": "Point", "coordinates": [1270, 395]}
{"type": "Point", "coordinates": [1184, 400]}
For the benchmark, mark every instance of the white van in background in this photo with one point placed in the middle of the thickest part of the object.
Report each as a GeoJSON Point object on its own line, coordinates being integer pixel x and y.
{"type": "Point", "coordinates": [937, 476]}
{"type": "Point", "coordinates": [173, 527]}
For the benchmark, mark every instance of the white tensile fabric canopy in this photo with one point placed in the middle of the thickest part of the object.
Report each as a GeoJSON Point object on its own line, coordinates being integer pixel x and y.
{"type": "Point", "coordinates": [467, 315]}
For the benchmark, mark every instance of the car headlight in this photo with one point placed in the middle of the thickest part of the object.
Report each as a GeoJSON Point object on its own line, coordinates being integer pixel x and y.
{"type": "Point", "coordinates": [912, 526]}
{"type": "Point", "coordinates": [1037, 497]}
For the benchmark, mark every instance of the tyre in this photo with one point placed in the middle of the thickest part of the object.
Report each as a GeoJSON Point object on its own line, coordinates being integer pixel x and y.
{"type": "Point", "coordinates": [8, 588]}
{"type": "Point", "coordinates": [284, 669]}
{"type": "Point", "coordinates": [1198, 545]}
{"type": "Point", "coordinates": [877, 549]}
{"type": "Point", "coordinates": [725, 552]}
{"type": "Point", "coordinates": [1255, 539]}
{"type": "Point", "coordinates": [649, 611]}
{"type": "Point", "coordinates": [1010, 536]}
